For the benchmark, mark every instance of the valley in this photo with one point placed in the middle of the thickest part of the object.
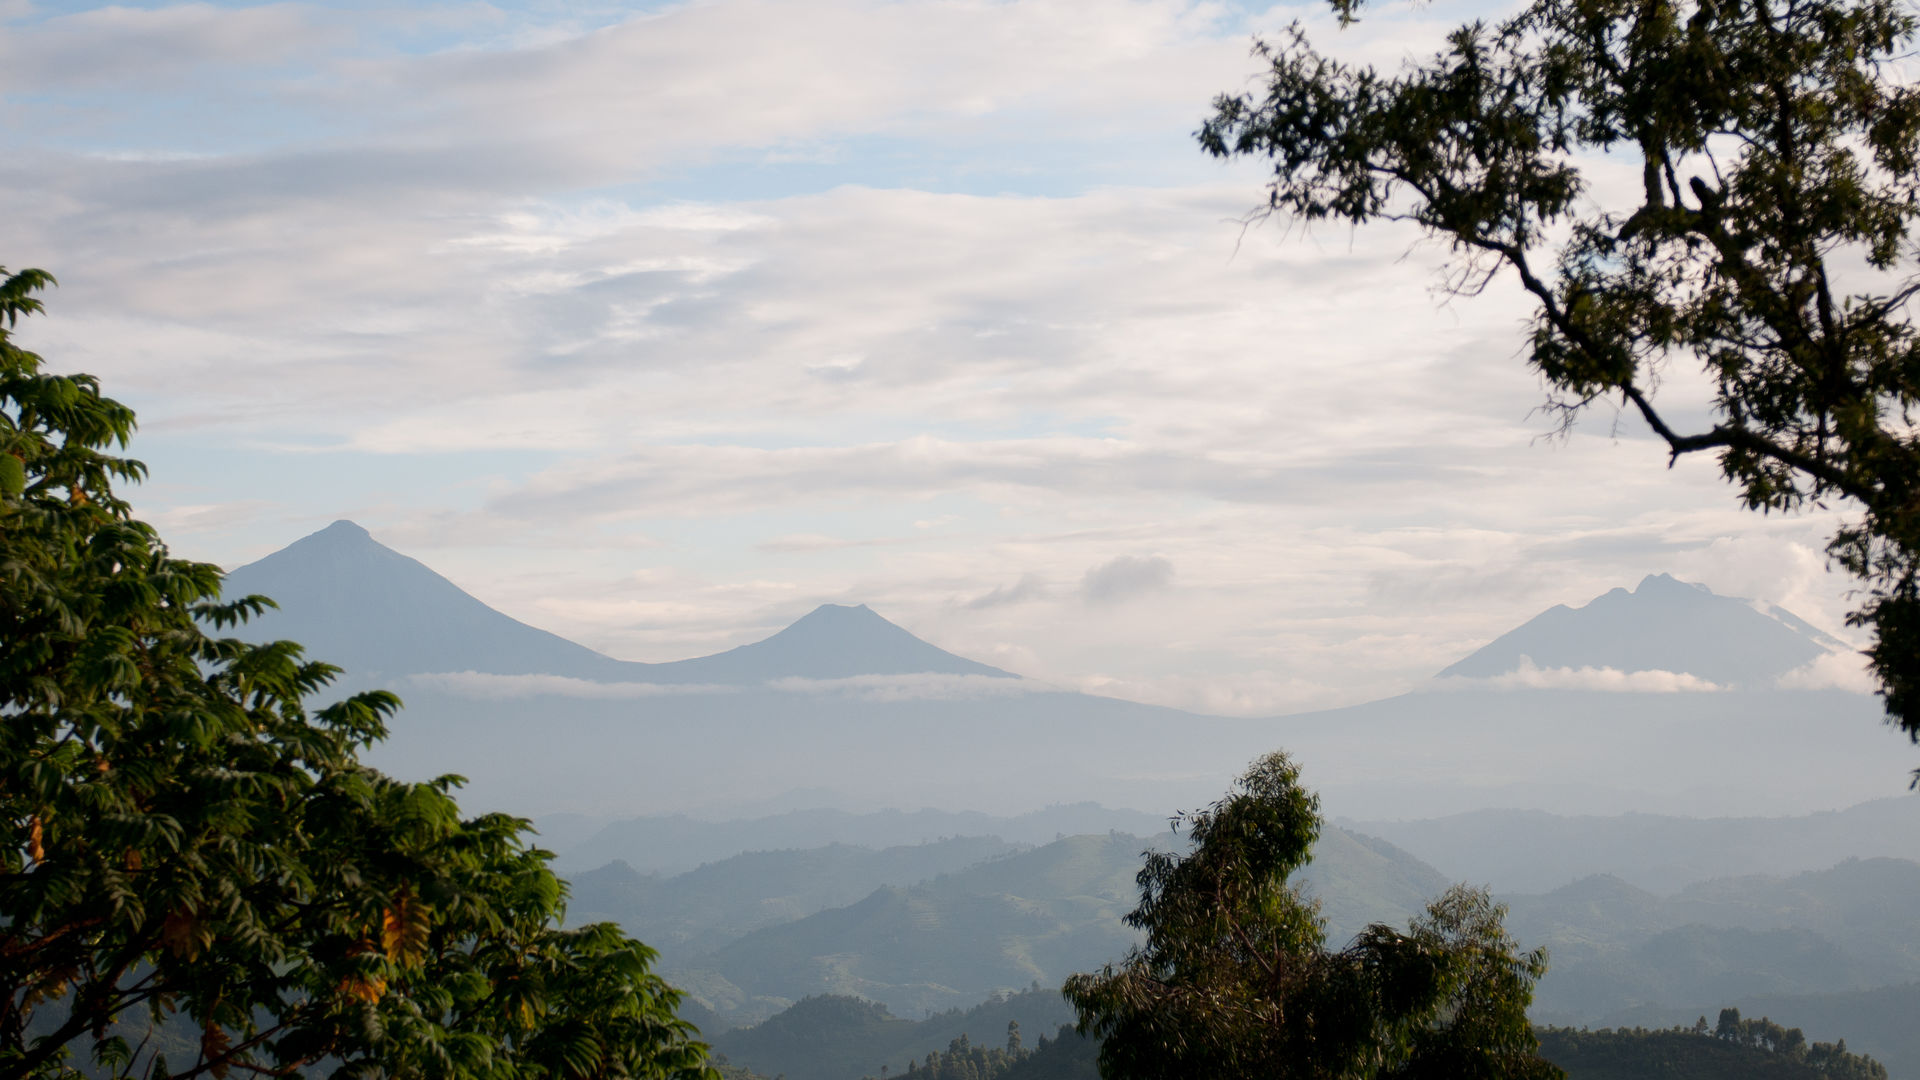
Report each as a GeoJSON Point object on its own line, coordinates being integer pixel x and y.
{"type": "Point", "coordinates": [943, 841]}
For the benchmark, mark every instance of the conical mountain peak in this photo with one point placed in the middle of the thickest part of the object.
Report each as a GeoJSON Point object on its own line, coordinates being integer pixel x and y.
{"type": "Point", "coordinates": [833, 641]}
{"type": "Point", "coordinates": [343, 531]}
{"type": "Point", "coordinates": [353, 601]}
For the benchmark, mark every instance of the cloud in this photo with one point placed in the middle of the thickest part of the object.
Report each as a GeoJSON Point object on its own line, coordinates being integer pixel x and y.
{"type": "Point", "coordinates": [1029, 587]}
{"type": "Point", "coordinates": [1840, 670]}
{"type": "Point", "coordinates": [743, 278]}
{"type": "Point", "coordinates": [799, 542]}
{"type": "Point", "coordinates": [154, 47]}
{"type": "Point", "coordinates": [924, 686]}
{"type": "Point", "coordinates": [481, 685]}
{"type": "Point", "coordinates": [1605, 679]}
{"type": "Point", "coordinates": [1125, 577]}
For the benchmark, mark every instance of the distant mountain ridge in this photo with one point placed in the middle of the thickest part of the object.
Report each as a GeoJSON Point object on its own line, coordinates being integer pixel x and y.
{"type": "Point", "coordinates": [1852, 926]}
{"type": "Point", "coordinates": [674, 844]}
{"type": "Point", "coordinates": [1530, 851]}
{"type": "Point", "coordinates": [845, 700]}
{"type": "Point", "coordinates": [1664, 624]}
{"type": "Point", "coordinates": [353, 601]}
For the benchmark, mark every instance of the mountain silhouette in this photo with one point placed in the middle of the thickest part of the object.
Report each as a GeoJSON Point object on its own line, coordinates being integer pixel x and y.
{"type": "Point", "coordinates": [1664, 624]}
{"type": "Point", "coordinates": [355, 602]}
{"type": "Point", "coordinates": [832, 641]}
{"type": "Point", "coordinates": [609, 740]}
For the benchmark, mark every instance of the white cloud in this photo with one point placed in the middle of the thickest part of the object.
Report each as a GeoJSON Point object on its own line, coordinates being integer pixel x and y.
{"type": "Point", "coordinates": [1609, 680]}
{"type": "Point", "coordinates": [477, 684]}
{"type": "Point", "coordinates": [153, 47]}
{"type": "Point", "coordinates": [922, 686]}
{"type": "Point", "coordinates": [1832, 671]}
{"type": "Point", "coordinates": [402, 308]}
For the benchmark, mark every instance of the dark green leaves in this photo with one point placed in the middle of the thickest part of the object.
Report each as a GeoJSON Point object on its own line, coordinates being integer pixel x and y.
{"type": "Point", "coordinates": [1770, 240]}
{"type": "Point", "coordinates": [203, 879]}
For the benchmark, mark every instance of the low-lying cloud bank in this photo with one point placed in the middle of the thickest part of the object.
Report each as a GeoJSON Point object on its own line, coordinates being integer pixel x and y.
{"type": "Point", "coordinates": [479, 684]}
{"type": "Point", "coordinates": [923, 686]}
{"type": "Point", "coordinates": [1834, 671]}
{"type": "Point", "coordinates": [1530, 676]}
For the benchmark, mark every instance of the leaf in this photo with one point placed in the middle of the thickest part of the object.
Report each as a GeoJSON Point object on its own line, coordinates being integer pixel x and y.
{"type": "Point", "coordinates": [183, 935]}
{"type": "Point", "coordinates": [404, 929]}
{"type": "Point", "coordinates": [36, 839]}
{"type": "Point", "coordinates": [367, 988]}
{"type": "Point", "coordinates": [213, 1047]}
{"type": "Point", "coordinates": [13, 475]}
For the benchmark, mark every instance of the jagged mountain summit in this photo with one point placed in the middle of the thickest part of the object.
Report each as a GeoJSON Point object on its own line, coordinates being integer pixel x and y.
{"type": "Point", "coordinates": [353, 601]}
{"type": "Point", "coordinates": [1663, 625]}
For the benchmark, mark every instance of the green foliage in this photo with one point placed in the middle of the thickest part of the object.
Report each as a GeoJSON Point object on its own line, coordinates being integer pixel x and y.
{"type": "Point", "coordinates": [1067, 1056]}
{"type": "Point", "coordinates": [965, 1061]}
{"type": "Point", "coordinates": [1768, 241]}
{"type": "Point", "coordinates": [1734, 1050]}
{"type": "Point", "coordinates": [1234, 979]}
{"type": "Point", "coordinates": [194, 850]}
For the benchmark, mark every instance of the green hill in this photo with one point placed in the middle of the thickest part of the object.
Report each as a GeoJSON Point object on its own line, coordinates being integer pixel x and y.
{"type": "Point", "coordinates": [835, 1037]}
{"type": "Point", "coordinates": [1008, 922]}
{"type": "Point", "coordinates": [1735, 1050]}
{"type": "Point", "coordinates": [704, 909]}
{"type": "Point", "coordinates": [1616, 947]}
{"type": "Point", "coordinates": [1879, 1021]}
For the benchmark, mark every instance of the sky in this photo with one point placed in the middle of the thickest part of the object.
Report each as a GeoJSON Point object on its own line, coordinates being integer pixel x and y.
{"type": "Point", "coordinates": [658, 324]}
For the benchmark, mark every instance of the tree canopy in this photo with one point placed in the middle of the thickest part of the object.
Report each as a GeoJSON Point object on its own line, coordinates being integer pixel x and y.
{"type": "Point", "coordinates": [204, 878]}
{"type": "Point", "coordinates": [1235, 979]}
{"type": "Point", "coordinates": [1767, 237]}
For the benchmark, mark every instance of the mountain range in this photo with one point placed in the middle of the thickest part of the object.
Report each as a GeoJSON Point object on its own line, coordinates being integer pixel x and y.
{"type": "Point", "coordinates": [1562, 715]}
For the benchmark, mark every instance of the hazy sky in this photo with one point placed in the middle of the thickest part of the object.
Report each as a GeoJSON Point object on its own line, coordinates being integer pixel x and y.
{"type": "Point", "coordinates": [656, 325]}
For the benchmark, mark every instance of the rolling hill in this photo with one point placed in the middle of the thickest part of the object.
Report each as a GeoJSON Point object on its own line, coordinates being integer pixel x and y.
{"type": "Point", "coordinates": [998, 925]}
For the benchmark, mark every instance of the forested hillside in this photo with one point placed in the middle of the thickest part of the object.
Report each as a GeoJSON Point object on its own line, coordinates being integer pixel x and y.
{"type": "Point", "coordinates": [1879, 1021]}
{"type": "Point", "coordinates": [1733, 1049]}
{"type": "Point", "coordinates": [835, 1037]}
{"type": "Point", "coordinates": [704, 909]}
{"type": "Point", "coordinates": [936, 926]}
{"type": "Point", "coordinates": [1854, 926]}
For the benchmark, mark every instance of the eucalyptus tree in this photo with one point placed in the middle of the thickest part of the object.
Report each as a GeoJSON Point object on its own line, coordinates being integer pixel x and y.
{"type": "Point", "coordinates": [202, 876]}
{"type": "Point", "coordinates": [1235, 978]}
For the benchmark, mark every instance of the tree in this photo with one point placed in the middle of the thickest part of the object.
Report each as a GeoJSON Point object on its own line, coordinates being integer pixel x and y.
{"type": "Point", "coordinates": [203, 877]}
{"type": "Point", "coordinates": [1768, 238]}
{"type": "Point", "coordinates": [1235, 980]}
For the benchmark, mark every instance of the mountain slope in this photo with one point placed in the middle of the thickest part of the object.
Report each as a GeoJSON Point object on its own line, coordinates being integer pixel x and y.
{"type": "Point", "coordinates": [674, 844]}
{"type": "Point", "coordinates": [1662, 625]}
{"type": "Point", "coordinates": [359, 604]}
{"type": "Point", "coordinates": [1850, 927]}
{"type": "Point", "coordinates": [831, 642]}
{"type": "Point", "coordinates": [706, 908]}
{"type": "Point", "coordinates": [1038, 915]}
{"type": "Point", "coordinates": [1878, 1022]}
{"type": "Point", "coordinates": [845, 1038]}
{"type": "Point", "coordinates": [1528, 851]}
{"type": "Point", "coordinates": [355, 602]}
